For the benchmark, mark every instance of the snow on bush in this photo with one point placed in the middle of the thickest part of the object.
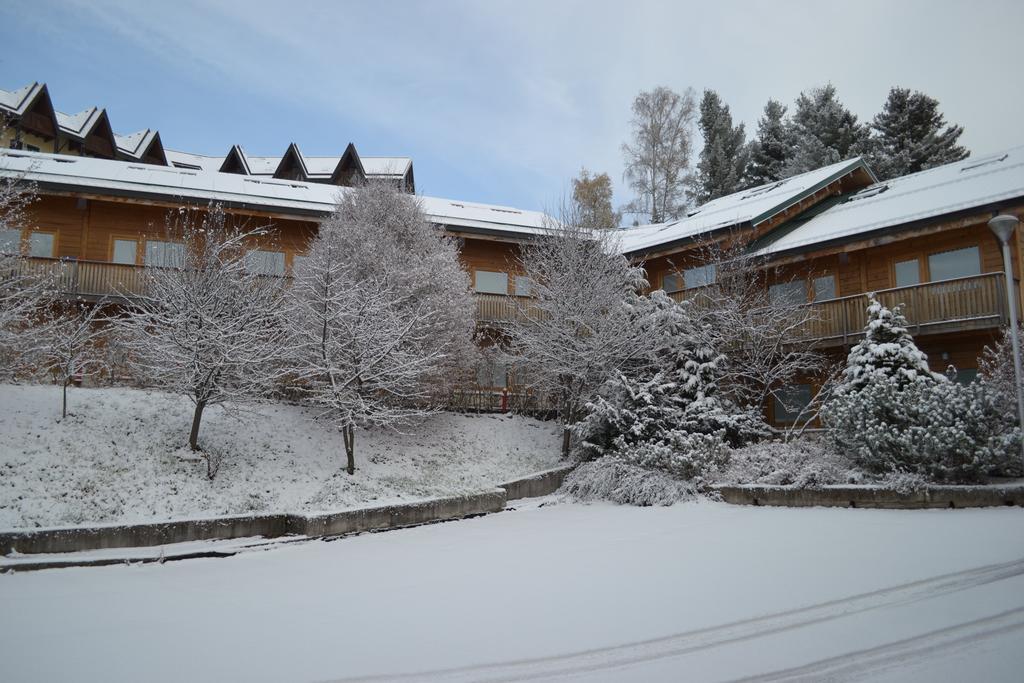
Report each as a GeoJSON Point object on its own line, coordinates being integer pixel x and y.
{"type": "Point", "coordinates": [667, 415]}
{"type": "Point", "coordinates": [615, 480]}
{"type": "Point", "coordinates": [997, 375]}
{"type": "Point", "coordinates": [891, 414]}
{"type": "Point", "coordinates": [803, 463]}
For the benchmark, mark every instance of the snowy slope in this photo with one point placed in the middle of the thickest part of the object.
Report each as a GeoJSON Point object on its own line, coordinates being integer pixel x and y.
{"type": "Point", "coordinates": [119, 458]}
{"type": "Point", "coordinates": [695, 592]}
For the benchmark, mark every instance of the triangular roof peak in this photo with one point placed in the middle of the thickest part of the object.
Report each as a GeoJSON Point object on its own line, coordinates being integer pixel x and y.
{"type": "Point", "coordinates": [292, 165]}
{"type": "Point", "coordinates": [349, 170]}
{"type": "Point", "coordinates": [22, 102]}
{"type": "Point", "coordinates": [236, 161]}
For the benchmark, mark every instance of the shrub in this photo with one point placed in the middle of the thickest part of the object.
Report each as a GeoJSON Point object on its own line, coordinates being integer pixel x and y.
{"type": "Point", "coordinates": [612, 479]}
{"type": "Point", "coordinates": [800, 464]}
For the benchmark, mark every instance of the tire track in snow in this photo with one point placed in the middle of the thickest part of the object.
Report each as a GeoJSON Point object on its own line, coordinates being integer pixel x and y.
{"type": "Point", "coordinates": [900, 654]}
{"type": "Point", "coordinates": [702, 639]}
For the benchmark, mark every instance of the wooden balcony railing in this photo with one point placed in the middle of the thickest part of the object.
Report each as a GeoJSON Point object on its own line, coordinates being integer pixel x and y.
{"type": "Point", "coordinates": [977, 302]}
{"type": "Point", "coordinates": [966, 303]}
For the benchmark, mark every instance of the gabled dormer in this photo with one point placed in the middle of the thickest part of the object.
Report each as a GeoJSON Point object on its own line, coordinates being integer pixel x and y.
{"type": "Point", "coordinates": [349, 171]}
{"type": "Point", "coordinates": [292, 165]}
{"type": "Point", "coordinates": [88, 133]}
{"type": "Point", "coordinates": [30, 117]}
{"type": "Point", "coordinates": [237, 162]}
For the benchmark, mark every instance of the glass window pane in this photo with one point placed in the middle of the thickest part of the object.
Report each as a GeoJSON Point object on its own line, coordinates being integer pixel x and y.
{"type": "Point", "coordinates": [790, 401]}
{"type": "Point", "coordinates": [40, 244]}
{"type": "Point", "coordinates": [824, 287]}
{"type": "Point", "coordinates": [908, 273]}
{"type": "Point", "coordinates": [165, 254]}
{"type": "Point", "coordinates": [265, 262]}
{"type": "Point", "coordinates": [124, 251]}
{"type": "Point", "coordinates": [672, 282]}
{"type": "Point", "coordinates": [790, 293]}
{"type": "Point", "coordinates": [298, 263]}
{"type": "Point", "coordinates": [488, 282]}
{"type": "Point", "coordinates": [953, 264]}
{"type": "Point", "coordinates": [10, 241]}
{"type": "Point", "coordinates": [523, 285]}
{"type": "Point", "coordinates": [699, 276]}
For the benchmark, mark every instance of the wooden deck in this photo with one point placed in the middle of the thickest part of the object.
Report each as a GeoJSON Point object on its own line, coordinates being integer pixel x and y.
{"type": "Point", "coordinates": [969, 303]}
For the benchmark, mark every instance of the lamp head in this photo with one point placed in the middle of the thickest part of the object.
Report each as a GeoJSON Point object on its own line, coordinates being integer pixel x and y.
{"type": "Point", "coordinates": [1002, 226]}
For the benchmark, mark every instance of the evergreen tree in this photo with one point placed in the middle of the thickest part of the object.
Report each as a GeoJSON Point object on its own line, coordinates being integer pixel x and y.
{"type": "Point", "coordinates": [723, 160]}
{"type": "Point", "coordinates": [772, 148]}
{"type": "Point", "coordinates": [592, 196]}
{"type": "Point", "coordinates": [824, 131]}
{"type": "Point", "coordinates": [911, 135]}
{"type": "Point", "coordinates": [887, 352]}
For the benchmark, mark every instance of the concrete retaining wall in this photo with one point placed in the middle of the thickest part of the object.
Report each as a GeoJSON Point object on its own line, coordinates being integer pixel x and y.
{"type": "Point", "coordinates": [74, 539]}
{"type": "Point", "coordinates": [865, 497]}
{"type": "Point", "coordinates": [536, 485]}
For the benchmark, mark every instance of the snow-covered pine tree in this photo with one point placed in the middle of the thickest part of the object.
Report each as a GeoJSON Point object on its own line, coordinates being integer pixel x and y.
{"type": "Point", "coordinates": [382, 315]}
{"type": "Point", "coordinates": [887, 351]}
{"type": "Point", "coordinates": [823, 131]}
{"type": "Point", "coordinates": [772, 148]}
{"type": "Point", "coordinates": [723, 160]}
{"type": "Point", "coordinates": [911, 135]}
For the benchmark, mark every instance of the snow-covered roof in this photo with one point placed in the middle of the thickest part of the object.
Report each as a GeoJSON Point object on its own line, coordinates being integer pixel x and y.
{"type": "Point", "coordinates": [750, 206]}
{"type": "Point", "coordinates": [17, 101]}
{"type": "Point", "coordinates": [79, 125]}
{"type": "Point", "coordinates": [963, 185]}
{"type": "Point", "coordinates": [135, 144]}
{"type": "Point", "coordinates": [125, 178]}
{"type": "Point", "coordinates": [320, 166]}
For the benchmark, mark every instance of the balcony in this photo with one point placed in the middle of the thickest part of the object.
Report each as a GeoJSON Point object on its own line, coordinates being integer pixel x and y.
{"type": "Point", "coordinates": [959, 305]}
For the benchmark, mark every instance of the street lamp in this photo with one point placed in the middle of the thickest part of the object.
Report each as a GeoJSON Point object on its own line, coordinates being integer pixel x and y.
{"type": "Point", "coordinates": [1002, 227]}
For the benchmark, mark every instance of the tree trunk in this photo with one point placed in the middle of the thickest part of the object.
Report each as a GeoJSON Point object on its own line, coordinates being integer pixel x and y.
{"type": "Point", "coordinates": [348, 432]}
{"type": "Point", "coordinates": [566, 440]}
{"type": "Point", "coordinates": [64, 405]}
{"type": "Point", "coordinates": [197, 417]}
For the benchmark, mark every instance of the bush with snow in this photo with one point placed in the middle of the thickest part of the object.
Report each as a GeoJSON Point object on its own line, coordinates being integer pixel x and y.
{"type": "Point", "coordinates": [997, 375]}
{"type": "Point", "coordinates": [892, 414]}
{"type": "Point", "coordinates": [801, 464]}
{"type": "Point", "coordinates": [615, 480]}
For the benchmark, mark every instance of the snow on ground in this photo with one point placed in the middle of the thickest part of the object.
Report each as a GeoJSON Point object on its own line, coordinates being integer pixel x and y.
{"type": "Point", "coordinates": [119, 457]}
{"type": "Point", "coordinates": [698, 591]}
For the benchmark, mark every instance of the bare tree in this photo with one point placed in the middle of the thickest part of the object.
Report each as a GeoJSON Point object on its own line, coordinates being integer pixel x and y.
{"type": "Point", "coordinates": [382, 314]}
{"type": "Point", "coordinates": [70, 346]}
{"type": "Point", "coordinates": [581, 324]}
{"type": "Point", "coordinates": [23, 291]}
{"type": "Point", "coordinates": [754, 326]}
{"type": "Point", "coordinates": [658, 157]}
{"type": "Point", "coordinates": [208, 327]}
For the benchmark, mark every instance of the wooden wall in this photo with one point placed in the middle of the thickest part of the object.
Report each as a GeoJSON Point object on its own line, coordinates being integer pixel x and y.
{"type": "Point", "coordinates": [490, 255]}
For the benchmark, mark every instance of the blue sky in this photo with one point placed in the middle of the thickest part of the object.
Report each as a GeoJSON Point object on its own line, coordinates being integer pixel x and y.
{"type": "Point", "coordinates": [497, 102]}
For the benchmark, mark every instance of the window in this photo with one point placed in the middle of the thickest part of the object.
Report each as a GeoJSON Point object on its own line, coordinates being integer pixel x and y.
{"type": "Point", "coordinates": [699, 276]}
{"type": "Point", "coordinates": [524, 287]}
{"type": "Point", "coordinates": [824, 288]}
{"type": "Point", "coordinates": [165, 254]}
{"type": "Point", "coordinates": [488, 282]}
{"type": "Point", "coordinates": [298, 263]}
{"type": "Point", "coordinates": [947, 265]}
{"type": "Point", "coordinates": [40, 244]}
{"type": "Point", "coordinates": [788, 293]}
{"type": "Point", "coordinates": [10, 241]}
{"type": "Point", "coordinates": [31, 148]}
{"type": "Point", "coordinates": [672, 282]}
{"type": "Point", "coordinates": [966, 375]}
{"type": "Point", "coordinates": [790, 401]}
{"type": "Point", "coordinates": [492, 375]}
{"type": "Point", "coordinates": [125, 251]}
{"type": "Point", "coordinates": [265, 262]}
{"type": "Point", "coordinates": [908, 273]}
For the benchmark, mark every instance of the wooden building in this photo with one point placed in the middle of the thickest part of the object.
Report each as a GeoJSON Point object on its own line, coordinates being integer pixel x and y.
{"type": "Point", "coordinates": [833, 235]}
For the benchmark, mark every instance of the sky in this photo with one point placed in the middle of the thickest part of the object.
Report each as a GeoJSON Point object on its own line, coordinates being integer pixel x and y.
{"type": "Point", "coordinates": [498, 102]}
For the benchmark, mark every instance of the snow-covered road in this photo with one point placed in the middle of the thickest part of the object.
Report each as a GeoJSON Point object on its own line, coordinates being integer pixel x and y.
{"type": "Point", "coordinates": [701, 591]}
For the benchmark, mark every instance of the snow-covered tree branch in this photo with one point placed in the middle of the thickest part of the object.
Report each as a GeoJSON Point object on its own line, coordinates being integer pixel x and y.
{"type": "Point", "coordinates": [382, 315]}
{"type": "Point", "coordinates": [208, 327]}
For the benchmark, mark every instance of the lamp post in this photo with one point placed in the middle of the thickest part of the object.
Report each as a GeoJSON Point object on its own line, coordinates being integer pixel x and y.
{"type": "Point", "coordinates": [1002, 227]}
